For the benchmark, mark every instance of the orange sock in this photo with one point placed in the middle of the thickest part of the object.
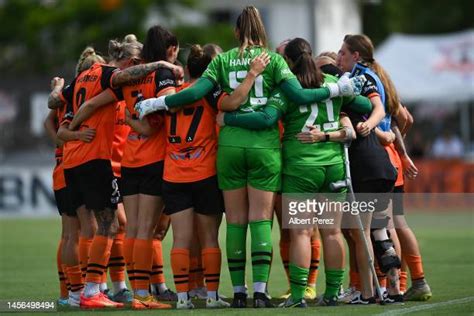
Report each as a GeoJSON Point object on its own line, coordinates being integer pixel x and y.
{"type": "Point", "coordinates": [143, 259]}
{"type": "Point", "coordinates": [403, 281]}
{"type": "Point", "coordinates": [381, 277]}
{"type": "Point", "coordinates": [315, 256]}
{"type": "Point", "coordinates": [117, 260]}
{"type": "Point", "coordinates": [211, 258]}
{"type": "Point", "coordinates": [157, 275]}
{"type": "Point", "coordinates": [98, 258]}
{"type": "Point", "coordinates": [355, 279]}
{"type": "Point", "coordinates": [75, 276]}
{"type": "Point", "coordinates": [285, 257]}
{"type": "Point", "coordinates": [193, 269]}
{"type": "Point", "coordinates": [128, 254]}
{"type": "Point", "coordinates": [84, 249]}
{"type": "Point", "coordinates": [415, 265]}
{"type": "Point", "coordinates": [68, 282]}
{"type": "Point", "coordinates": [63, 289]}
{"type": "Point", "coordinates": [180, 267]}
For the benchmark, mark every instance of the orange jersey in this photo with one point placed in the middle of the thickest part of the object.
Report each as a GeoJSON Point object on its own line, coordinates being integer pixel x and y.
{"type": "Point", "coordinates": [396, 162]}
{"type": "Point", "coordinates": [59, 181]}
{"type": "Point", "coordinates": [87, 85]}
{"type": "Point", "coordinates": [120, 137]}
{"type": "Point", "coordinates": [141, 150]}
{"type": "Point", "coordinates": [192, 140]}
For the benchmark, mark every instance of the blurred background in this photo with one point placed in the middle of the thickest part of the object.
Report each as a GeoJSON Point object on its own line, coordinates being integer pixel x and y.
{"type": "Point", "coordinates": [427, 46]}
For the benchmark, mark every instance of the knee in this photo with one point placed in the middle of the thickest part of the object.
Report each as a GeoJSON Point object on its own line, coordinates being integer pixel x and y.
{"type": "Point", "coordinates": [330, 234]}
{"type": "Point", "coordinates": [301, 233]}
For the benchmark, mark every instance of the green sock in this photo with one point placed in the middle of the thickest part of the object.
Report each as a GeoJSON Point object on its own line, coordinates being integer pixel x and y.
{"type": "Point", "coordinates": [261, 233]}
{"type": "Point", "coordinates": [236, 240]}
{"type": "Point", "coordinates": [333, 283]}
{"type": "Point", "coordinates": [298, 281]}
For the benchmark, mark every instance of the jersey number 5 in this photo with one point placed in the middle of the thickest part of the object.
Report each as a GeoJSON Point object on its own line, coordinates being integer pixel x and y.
{"type": "Point", "coordinates": [234, 82]}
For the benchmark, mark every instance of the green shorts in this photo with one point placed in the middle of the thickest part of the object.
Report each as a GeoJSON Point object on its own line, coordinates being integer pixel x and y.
{"type": "Point", "coordinates": [238, 167]}
{"type": "Point", "coordinates": [312, 179]}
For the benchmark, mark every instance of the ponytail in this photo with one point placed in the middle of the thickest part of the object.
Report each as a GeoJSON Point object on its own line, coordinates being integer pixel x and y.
{"type": "Point", "coordinates": [251, 29]}
{"type": "Point", "coordinates": [304, 65]}
{"type": "Point", "coordinates": [87, 59]}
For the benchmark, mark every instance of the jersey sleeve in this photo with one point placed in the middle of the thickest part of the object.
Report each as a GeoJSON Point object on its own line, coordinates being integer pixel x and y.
{"type": "Point", "coordinates": [281, 71]}
{"type": "Point", "coordinates": [212, 72]}
{"type": "Point", "coordinates": [278, 101]}
{"type": "Point", "coordinates": [215, 97]}
{"type": "Point", "coordinates": [370, 87]}
{"type": "Point", "coordinates": [164, 80]}
{"type": "Point", "coordinates": [106, 81]}
{"type": "Point", "coordinates": [67, 93]}
{"type": "Point", "coordinates": [68, 114]}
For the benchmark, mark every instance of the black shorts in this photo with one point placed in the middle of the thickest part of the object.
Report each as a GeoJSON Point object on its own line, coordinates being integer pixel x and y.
{"type": "Point", "coordinates": [93, 184]}
{"type": "Point", "coordinates": [64, 202]}
{"type": "Point", "coordinates": [142, 180]}
{"type": "Point", "coordinates": [204, 196]}
{"type": "Point", "coordinates": [397, 201]}
{"type": "Point", "coordinates": [382, 187]}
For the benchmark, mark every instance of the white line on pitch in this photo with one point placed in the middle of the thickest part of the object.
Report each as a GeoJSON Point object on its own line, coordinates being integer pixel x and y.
{"type": "Point", "coordinates": [413, 309]}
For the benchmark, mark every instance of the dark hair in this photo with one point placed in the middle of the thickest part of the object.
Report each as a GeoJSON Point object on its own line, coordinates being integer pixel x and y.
{"type": "Point", "coordinates": [157, 41]}
{"type": "Point", "coordinates": [304, 66]}
{"type": "Point", "coordinates": [200, 57]}
{"type": "Point", "coordinates": [362, 44]}
{"type": "Point", "coordinates": [251, 29]}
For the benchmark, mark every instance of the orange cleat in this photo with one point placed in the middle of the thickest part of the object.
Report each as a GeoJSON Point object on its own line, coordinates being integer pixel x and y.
{"type": "Point", "coordinates": [97, 301]}
{"type": "Point", "coordinates": [148, 302]}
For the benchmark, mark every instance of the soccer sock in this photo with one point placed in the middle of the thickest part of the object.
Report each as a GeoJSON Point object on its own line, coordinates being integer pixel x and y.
{"type": "Point", "coordinates": [211, 258]}
{"type": "Point", "coordinates": [157, 275]}
{"type": "Point", "coordinates": [236, 239]}
{"type": "Point", "coordinates": [193, 268]}
{"type": "Point", "coordinates": [403, 281]}
{"type": "Point", "coordinates": [285, 257]}
{"type": "Point", "coordinates": [117, 260]}
{"type": "Point", "coordinates": [63, 291]}
{"type": "Point", "coordinates": [355, 279]}
{"type": "Point", "coordinates": [298, 281]}
{"type": "Point", "coordinates": [84, 249]}
{"type": "Point", "coordinates": [143, 259]}
{"type": "Point", "coordinates": [75, 276]}
{"type": "Point", "coordinates": [333, 283]}
{"type": "Point", "coordinates": [314, 268]}
{"type": "Point", "coordinates": [128, 245]}
{"type": "Point", "coordinates": [381, 277]}
{"type": "Point", "coordinates": [98, 258]}
{"type": "Point", "coordinates": [415, 265]}
{"type": "Point", "coordinates": [180, 267]}
{"type": "Point", "coordinates": [261, 247]}
{"type": "Point", "coordinates": [67, 281]}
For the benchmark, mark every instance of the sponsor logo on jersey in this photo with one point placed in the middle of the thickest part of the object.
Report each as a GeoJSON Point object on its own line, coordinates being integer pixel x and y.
{"type": "Point", "coordinates": [166, 82]}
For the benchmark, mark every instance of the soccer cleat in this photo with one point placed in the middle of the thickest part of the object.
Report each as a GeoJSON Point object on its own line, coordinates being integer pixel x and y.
{"type": "Point", "coordinates": [124, 296]}
{"type": "Point", "coordinates": [327, 301]}
{"type": "Point", "coordinates": [239, 301]}
{"type": "Point", "coordinates": [419, 291]}
{"type": "Point", "coordinates": [357, 299]}
{"type": "Point", "coordinates": [199, 293]}
{"type": "Point", "coordinates": [73, 301]}
{"type": "Point", "coordinates": [348, 295]}
{"type": "Point", "coordinates": [393, 299]}
{"type": "Point", "coordinates": [167, 295]}
{"type": "Point", "coordinates": [100, 300]}
{"type": "Point", "coordinates": [261, 300]}
{"type": "Point", "coordinates": [62, 302]}
{"type": "Point", "coordinates": [310, 293]}
{"type": "Point", "coordinates": [289, 303]}
{"type": "Point", "coordinates": [184, 304]}
{"type": "Point", "coordinates": [148, 302]}
{"type": "Point", "coordinates": [286, 295]}
{"type": "Point", "coordinates": [219, 303]}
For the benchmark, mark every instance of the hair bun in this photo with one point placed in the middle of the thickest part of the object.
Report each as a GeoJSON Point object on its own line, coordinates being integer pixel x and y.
{"type": "Point", "coordinates": [130, 38]}
{"type": "Point", "coordinates": [196, 51]}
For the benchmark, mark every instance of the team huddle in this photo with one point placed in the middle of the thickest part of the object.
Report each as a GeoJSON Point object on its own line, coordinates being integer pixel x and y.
{"type": "Point", "coordinates": [139, 149]}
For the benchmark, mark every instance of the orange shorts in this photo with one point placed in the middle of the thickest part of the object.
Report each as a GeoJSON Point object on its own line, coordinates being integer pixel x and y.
{"type": "Point", "coordinates": [396, 162]}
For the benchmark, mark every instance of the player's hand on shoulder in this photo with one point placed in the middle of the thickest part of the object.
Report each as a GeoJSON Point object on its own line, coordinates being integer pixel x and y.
{"type": "Point", "coordinates": [259, 63]}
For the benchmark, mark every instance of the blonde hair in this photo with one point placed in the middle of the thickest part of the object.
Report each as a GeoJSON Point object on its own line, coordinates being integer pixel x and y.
{"type": "Point", "coordinates": [251, 29]}
{"type": "Point", "coordinates": [87, 59]}
{"type": "Point", "coordinates": [363, 45]}
{"type": "Point", "coordinates": [130, 47]}
{"type": "Point", "coordinates": [328, 54]}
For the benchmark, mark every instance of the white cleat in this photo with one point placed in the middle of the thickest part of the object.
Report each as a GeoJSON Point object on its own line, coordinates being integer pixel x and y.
{"type": "Point", "coordinates": [348, 295]}
{"type": "Point", "coordinates": [184, 304]}
{"type": "Point", "coordinates": [73, 302]}
{"type": "Point", "coordinates": [199, 293]}
{"type": "Point", "coordinates": [219, 303]}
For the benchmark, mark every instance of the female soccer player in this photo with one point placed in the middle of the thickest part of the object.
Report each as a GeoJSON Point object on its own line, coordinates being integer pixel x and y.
{"type": "Point", "coordinates": [312, 159]}
{"type": "Point", "coordinates": [248, 162]}
{"type": "Point", "coordinates": [371, 169]}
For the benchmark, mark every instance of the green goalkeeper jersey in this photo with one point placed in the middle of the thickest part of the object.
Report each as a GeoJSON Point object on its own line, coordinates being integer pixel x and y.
{"type": "Point", "coordinates": [228, 70]}
{"type": "Point", "coordinates": [296, 118]}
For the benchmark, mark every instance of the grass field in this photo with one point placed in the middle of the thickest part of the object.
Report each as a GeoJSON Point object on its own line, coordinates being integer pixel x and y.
{"type": "Point", "coordinates": [28, 268]}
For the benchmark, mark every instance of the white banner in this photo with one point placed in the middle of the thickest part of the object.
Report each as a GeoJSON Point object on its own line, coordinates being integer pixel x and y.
{"type": "Point", "coordinates": [26, 191]}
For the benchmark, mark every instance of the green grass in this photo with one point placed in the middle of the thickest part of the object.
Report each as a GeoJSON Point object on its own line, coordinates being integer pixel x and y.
{"type": "Point", "coordinates": [28, 267]}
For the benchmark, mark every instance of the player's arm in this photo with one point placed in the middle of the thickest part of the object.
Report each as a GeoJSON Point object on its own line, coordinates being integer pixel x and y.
{"type": "Point", "coordinates": [409, 168]}
{"type": "Point", "coordinates": [123, 77]}
{"type": "Point", "coordinates": [233, 101]}
{"type": "Point", "coordinates": [55, 99]}
{"type": "Point", "coordinates": [378, 113]}
{"type": "Point", "coordinates": [86, 135]}
{"type": "Point", "coordinates": [50, 127]}
{"type": "Point", "coordinates": [385, 138]}
{"type": "Point", "coordinates": [314, 135]}
{"type": "Point", "coordinates": [358, 104]}
{"type": "Point", "coordinates": [404, 120]}
{"type": "Point", "coordinates": [88, 108]}
{"type": "Point", "coordinates": [261, 119]}
{"type": "Point", "coordinates": [142, 127]}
